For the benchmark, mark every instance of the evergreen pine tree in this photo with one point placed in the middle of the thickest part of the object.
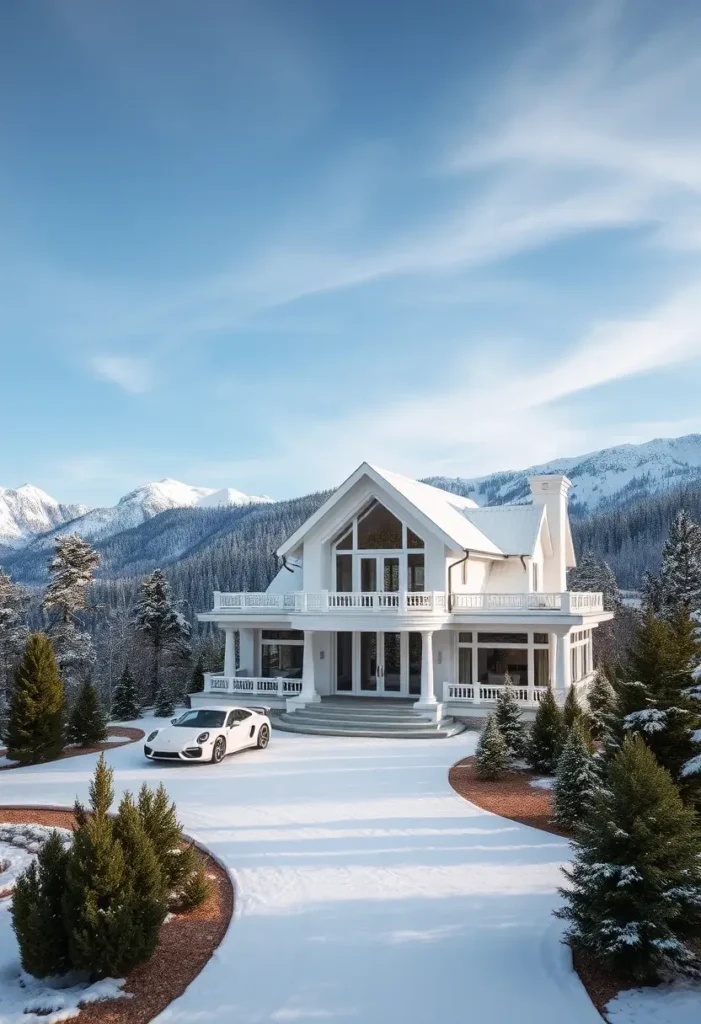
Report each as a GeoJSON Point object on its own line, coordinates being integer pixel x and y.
{"type": "Point", "coordinates": [164, 705]}
{"type": "Point", "coordinates": [548, 734]}
{"type": "Point", "coordinates": [161, 629]}
{"type": "Point", "coordinates": [196, 888]}
{"type": "Point", "coordinates": [100, 907]}
{"type": "Point", "coordinates": [37, 917]}
{"type": "Point", "coordinates": [492, 753]}
{"type": "Point", "coordinates": [86, 724]}
{"type": "Point", "coordinates": [14, 601]}
{"type": "Point", "coordinates": [508, 718]}
{"type": "Point", "coordinates": [147, 882]}
{"type": "Point", "coordinates": [197, 678]}
{"type": "Point", "coordinates": [71, 569]}
{"type": "Point", "coordinates": [125, 700]}
{"type": "Point", "coordinates": [159, 820]}
{"type": "Point", "coordinates": [35, 729]}
{"type": "Point", "coordinates": [602, 702]}
{"type": "Point", "coordinates": [680, 572]}
{"type": "Point", "coordinates": [668, 717]}
{"type": "Point", "coordinates": [572, 710]}
{"type": "Point", "coordinates": [596, 577]}
{"type": "Point", "coordinates": [576, 778]}
{"type": "Point", "coordinates": [634, 899]}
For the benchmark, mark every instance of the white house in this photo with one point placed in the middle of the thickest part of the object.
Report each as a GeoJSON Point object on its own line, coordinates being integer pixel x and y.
{"type": "Point", "coordinates": [396, 589]}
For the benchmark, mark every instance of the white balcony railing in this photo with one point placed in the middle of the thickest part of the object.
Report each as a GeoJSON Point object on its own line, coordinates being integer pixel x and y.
{"type": "Point", "coordinates": [467, 693]}
{"type": "Point", "coordinates": [251, 686]}
{"type": "Point", "coordinates": [404, 602]}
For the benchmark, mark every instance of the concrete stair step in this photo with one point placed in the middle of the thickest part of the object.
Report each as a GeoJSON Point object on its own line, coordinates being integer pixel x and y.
{"type": "Point", "coordinates": [317, 711]}
{"type": "Point", "coordinates": [426, 730]}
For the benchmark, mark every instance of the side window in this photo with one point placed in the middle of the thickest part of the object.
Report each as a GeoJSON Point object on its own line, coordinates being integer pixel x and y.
{"type": "Point", "coordinates": [243, 714]}
{"type": "Point", "coordinates": [231, 718]}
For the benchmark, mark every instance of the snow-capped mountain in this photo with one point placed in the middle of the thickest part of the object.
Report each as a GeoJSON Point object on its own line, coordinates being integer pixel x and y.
{"type": "Point", "coordinates": [27, 511]}
{"type": "Point", "coordinates": [605, 479]}
{"type": "Point", "coordinates": [38, 519]}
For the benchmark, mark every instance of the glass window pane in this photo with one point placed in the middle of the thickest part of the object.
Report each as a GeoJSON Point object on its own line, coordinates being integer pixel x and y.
{"type": "Point", "coordinates": [368, 575]}
{"type": "Point", "coordinates": [344, 573]}
{"type": "Point", "coordinates": [540, 638]}
{"type": "Point", "coordinates": [502, 638]}
{"type": "Point", "coordinates": [281, 660]}
{"type": "Point", "coordinates": [393, 663]}
{"type": "Point", "coordinates": [465, 638]}
{"type": "Point", "coordinates": [412, 540]}
{"type": "Point", "coordinates": [465, 665]}
{"type": "Point", "coordinates": [344, 661]}
{"type": "Point", "coordinates": [368, 661]}
{"type": "Point", "coordinates": [391, 575]}
{"type": "Point", "coordinates": [346, 541]}
{"type": "Point", "coordinates": [415, 573]}
{"type": "Point", "coordinates": [493, 664]}
{"type": "Point", "coordinates": [541, 660]}
{"type": "Point", "coordinates": [378, 528]}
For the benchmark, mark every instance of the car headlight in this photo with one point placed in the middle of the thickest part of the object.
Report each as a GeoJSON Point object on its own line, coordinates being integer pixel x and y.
{"type": "Point", "coordinates": [203, 737]}
{"type": "Point", "coordinates": [152, 735]}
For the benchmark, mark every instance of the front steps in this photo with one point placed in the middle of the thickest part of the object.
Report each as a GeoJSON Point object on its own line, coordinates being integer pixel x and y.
{"type": "Point", "coordinates": [353, 716]}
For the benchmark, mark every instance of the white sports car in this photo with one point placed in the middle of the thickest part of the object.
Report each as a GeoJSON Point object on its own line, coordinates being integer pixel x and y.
{"type": "Point", "coordinates": [209, 734]}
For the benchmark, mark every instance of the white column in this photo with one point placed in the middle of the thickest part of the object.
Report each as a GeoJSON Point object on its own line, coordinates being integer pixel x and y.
{"type": "Point", "coordinates": [308, 694]}
{"type": "Point", "coordinates": [531, 669]}
{"type": "Point", "coordinates": [247, 656]}
{"type": "Point", "coordinates": [229, 652]}
{"type": "Point", "coordinates": [427, 701]}
{"type": "Point", "coordinates": [562, 666]}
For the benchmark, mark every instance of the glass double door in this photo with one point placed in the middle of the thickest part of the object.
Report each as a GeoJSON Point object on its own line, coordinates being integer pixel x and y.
{"type": "Point", "coordinates": [386, 663]}
{"type": "Point", "coordinates": [379, 574]}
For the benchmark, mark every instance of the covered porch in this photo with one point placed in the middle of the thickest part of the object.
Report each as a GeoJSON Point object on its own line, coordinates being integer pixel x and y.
{"type": "Point", "coordinates": [454, 671]}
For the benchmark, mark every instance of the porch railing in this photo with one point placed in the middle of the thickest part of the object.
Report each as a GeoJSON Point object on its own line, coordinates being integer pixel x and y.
{"type": "Point", "coordinates": [479, 693]}
{"type": "Point", "coordinates": [406, 601]}
{"type": "Point", "coordinates": [251, 686]}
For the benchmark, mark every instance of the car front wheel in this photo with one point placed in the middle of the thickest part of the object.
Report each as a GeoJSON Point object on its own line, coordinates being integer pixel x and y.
{"type": "Point", "coordinates": [218, 750]}
{"type": "Point", "coordinates": [263, 737]}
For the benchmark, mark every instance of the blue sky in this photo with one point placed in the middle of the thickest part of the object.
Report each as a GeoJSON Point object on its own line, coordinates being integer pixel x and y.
{"type": "Point", "coordinates": [254, 244]}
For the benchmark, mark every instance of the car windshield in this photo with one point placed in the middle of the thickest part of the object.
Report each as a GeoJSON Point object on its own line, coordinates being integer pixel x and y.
{"type": "Point", "coordinates": [201, 719]}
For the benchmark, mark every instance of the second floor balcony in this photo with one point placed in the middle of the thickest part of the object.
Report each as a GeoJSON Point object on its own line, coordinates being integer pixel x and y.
{"type": "Point", "coordinates": [405, 602]}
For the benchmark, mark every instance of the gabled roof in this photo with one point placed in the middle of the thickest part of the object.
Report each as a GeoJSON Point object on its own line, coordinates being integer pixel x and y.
{"type": "Point", "coordinates": [441, 511]}
{"type": "Point", "coordinates": [513, 528]}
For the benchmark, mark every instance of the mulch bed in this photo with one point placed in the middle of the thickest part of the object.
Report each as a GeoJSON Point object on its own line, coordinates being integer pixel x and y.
{"type": "Point", "coordinates": [129, 734]}
{"type": "Point", "coordinates": [513, 797]}
{"type": "Point", "coordinates": [187, 940]}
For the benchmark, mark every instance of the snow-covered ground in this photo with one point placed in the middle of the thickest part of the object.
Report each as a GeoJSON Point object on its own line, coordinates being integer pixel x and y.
{"type": "Point", "coordinates": [367, 890]}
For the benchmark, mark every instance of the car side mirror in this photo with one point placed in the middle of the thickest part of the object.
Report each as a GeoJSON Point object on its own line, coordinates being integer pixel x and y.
{"type": "Point", "coordinates": [174, 721]}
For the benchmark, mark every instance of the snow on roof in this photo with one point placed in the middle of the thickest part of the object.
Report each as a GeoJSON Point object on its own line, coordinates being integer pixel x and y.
{"type": "Point", "coordinates": [513, 528]}
{"type": "Point", "coordinates": [445, 509]}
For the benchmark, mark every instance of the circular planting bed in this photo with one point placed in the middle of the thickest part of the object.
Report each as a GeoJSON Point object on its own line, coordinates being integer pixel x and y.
{"type": "Point", "coordinates": [117, 736]}
{"type": "Point", "coordinates": [187, 940]}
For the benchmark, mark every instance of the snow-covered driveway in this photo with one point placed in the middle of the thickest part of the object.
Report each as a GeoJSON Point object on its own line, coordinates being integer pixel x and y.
{"type": "Point", "coordinates": [367, 891]}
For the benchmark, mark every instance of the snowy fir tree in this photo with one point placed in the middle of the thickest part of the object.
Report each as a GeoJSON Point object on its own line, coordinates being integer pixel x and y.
{"type": "Point", "coordinates": [164, 704]}
{"type": "Point", "coordinates": [37, 914]}
{"type": "Point", "coordinates": [163, 631]}
{"type": "Point", "coordinates": [595, 576]}
{"type": "Point", "coordinates": [572, 710]}
{"type": "Point", "coordinates": [35, 730]}
{"type": "Point", "coordinates": [602, 703]}
{"type": "Point", "coordinates": [547, 736]}
{"type": "Point", "coordinates": [576, 778]}
{"type": "Point", "coordinates": [197, 678]}
{"type": "Point", "coordinates": [125, 699]}
{"type": "Point", "coordinates": [86, 723]}
{"type": "Point", "coordinates": [14, 602]}
{"type": "Point", "coordinates": [661, 707]}
{"type": "Point", "coordinates": [634, 894]}
{"type": "Point", "coordinates": [680, 573]}
{"type": "Point", "coordinates": [71, 570]}
{"type": "Point", "coordinates": [147, 882]}
{"type": "Point", "coordinates": [492, 753]}
{"type": "Point", "coordinates": [508, 718]}
{"type": "Point", "coordinates": [159, 819]}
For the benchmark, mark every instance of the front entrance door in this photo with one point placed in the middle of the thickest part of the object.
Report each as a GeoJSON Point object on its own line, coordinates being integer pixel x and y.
{"type": "Point", "coordinates": [374, 664]}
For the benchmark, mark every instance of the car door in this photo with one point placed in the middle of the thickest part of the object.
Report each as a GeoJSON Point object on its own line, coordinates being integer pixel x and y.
{"type": "Point", "coordinates": [232, 731]}
{"type": "Point", "coordinates": [246, 728]}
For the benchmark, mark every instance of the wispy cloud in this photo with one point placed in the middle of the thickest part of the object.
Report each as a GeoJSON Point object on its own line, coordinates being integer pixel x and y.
{"type": "Point", "coordinates": [128, 372]}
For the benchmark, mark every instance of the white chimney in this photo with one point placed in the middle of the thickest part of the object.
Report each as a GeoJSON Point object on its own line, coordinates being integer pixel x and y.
{"type": "Point", "coordinates": [551, 491]}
